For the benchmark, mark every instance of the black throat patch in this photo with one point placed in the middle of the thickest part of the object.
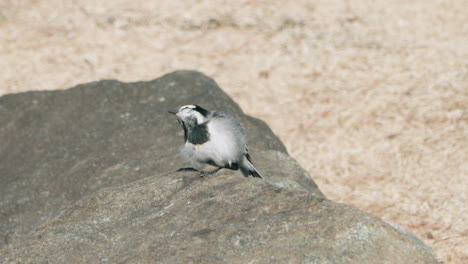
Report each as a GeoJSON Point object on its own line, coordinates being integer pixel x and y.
{"type": "Point", "coordinates": [199, 134]}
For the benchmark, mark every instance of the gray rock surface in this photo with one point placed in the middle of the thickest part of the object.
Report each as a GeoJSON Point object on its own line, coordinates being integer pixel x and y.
{"type": "Point", "coordinates": [87, 175]}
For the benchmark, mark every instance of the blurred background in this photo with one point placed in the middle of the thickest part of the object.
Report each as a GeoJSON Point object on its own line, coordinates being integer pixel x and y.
{"type": "Point", "coordinates": [371, 97]}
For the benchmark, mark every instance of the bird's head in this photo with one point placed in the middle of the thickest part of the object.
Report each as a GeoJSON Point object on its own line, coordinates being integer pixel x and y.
{"type": "Point", "coordinates": [191, 115]}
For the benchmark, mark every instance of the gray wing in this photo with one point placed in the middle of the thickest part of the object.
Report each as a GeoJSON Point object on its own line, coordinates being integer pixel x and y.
{"type": "Point", "coordinates": [233, 125]}
{"type": "Point", "coordinates": [231, 122]}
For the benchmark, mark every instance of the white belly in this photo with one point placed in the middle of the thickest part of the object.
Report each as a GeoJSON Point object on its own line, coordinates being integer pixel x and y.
{"type": "Point", "coordinates": [223, 148]}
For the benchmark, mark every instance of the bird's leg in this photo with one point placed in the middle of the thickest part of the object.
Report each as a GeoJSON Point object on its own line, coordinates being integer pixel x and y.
{"type": "Point", "coordinates": [187, 169]}
{"type": "Point", "coordinates": [206, 173]}
{"type": "Point", "coordinates": [202, 173]}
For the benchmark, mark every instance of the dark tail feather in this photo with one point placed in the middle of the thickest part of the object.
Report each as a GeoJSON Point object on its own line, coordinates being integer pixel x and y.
{"type": "Point", "coordinates": [252, 173]}
{"type": "Point", "coordinates": [248, 169]}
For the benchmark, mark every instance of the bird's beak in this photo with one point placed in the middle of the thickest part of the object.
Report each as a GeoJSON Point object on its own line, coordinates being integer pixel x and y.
{"type": "Point", "coordinates": [172, 112]}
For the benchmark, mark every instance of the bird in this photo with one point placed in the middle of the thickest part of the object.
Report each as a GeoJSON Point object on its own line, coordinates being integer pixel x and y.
{"type": "Point", "coordinates": [216, 138]}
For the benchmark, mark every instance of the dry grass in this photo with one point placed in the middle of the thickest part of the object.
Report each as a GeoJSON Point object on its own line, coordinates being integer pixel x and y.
{"type": "Point", "coordinates": [370, 96]}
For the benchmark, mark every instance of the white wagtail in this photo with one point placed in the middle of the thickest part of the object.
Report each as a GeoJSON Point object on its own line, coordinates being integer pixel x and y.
{"type": "Point", "coordinates": [215, 138]}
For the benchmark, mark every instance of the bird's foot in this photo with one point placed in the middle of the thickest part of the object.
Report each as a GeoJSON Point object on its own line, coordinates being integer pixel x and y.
{"type": "Point", "coordinates": [206, 173]}
{"type": "Point", "coordinates": [187, 169]}
{"type": "Point", "coordinates": [201, 173]}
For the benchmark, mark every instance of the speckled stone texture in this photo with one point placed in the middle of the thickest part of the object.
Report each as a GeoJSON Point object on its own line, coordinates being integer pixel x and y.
{"type": "Point", "coordinates": [88, 175]}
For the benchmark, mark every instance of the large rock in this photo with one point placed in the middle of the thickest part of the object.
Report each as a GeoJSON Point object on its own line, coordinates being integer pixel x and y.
{"type": "Point", "coordinates": [88, 175]}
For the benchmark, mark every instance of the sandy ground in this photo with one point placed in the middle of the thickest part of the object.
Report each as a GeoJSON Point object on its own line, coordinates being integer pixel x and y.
{"type": "Point", "coordinates": [370, 96]}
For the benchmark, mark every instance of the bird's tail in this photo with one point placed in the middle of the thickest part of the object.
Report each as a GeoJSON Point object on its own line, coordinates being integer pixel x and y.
{"type": "Point", "coordinates": [247, 168]}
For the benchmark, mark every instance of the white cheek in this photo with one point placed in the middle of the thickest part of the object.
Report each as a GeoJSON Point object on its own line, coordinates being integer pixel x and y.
{"type": "Point", "coordinates": [183, 116]}
{"type": "Point", "coordinates": [200, 119]}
